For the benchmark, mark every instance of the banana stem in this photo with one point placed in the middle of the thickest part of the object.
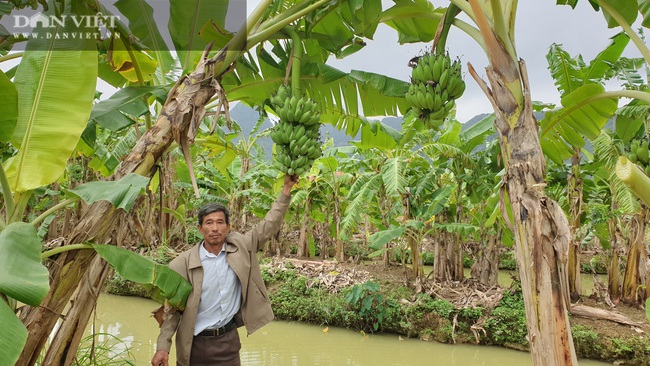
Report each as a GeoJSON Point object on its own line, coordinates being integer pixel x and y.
{"type": "Point", "coordinates": [272, 28]}
{"type": "Point", "coordinates": [440, 41]}
{"type": "Point", "coordinates": [11, 56]}
{"type": "Point", "coordinates": [53, 209]}
{"type": "Point", "coordinates": [638, 42]}
{"type": "Point", "coordinates": [8, 196]}
{"type": "Point", "coordinates": [295, 61]}
{"type": "Point", "coordinates": [66, 248]}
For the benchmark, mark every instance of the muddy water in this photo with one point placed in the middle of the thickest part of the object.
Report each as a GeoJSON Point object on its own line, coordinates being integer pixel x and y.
{"type": "Point", "coordinates": [287, 343]}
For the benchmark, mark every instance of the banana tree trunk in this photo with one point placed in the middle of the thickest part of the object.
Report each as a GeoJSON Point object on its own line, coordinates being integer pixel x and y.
{"type": "Point", "coordinates": [456, 251]}
{"type": "Point", "coordinates": [613, 268]}
{"type": "Point", "coordinates": [303, 240]}
{"type": "Point", "coordinates": [414, 244]}
{"type": "Point", "coordinates": [441, 272]}
{"type": "Point", "coordinates": [540, 227]}
{"type": "Point", "coordinates": [69, 335]}
{"type": "Point", "coordinates": [184, 105]}
{"type": "Point", "coordinates": [385, 209]}
{"type": "Point", "coordinates": [636, 260]}
{"type": "Point", "coordinates": [574, 193]}
{"type": "Point", "coordinates": [340, 254]}
{"type": "Point", "coordinates": [486, 267]}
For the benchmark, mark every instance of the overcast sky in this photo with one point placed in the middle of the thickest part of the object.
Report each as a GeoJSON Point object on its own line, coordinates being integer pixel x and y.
{"type": "Point", "coordinates": [539, 24]}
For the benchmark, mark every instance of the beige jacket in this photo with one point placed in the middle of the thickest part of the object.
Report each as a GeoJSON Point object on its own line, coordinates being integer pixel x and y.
{"type": "Point", "coordinates": [242, 251]}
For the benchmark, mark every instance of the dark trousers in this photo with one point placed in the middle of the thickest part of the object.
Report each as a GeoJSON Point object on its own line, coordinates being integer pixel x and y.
{"type": "Point", "coordinates": [212, 351]}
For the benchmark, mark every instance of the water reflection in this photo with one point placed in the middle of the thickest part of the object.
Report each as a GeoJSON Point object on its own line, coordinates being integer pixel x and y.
{"type": "Point", "coordinates": [288, 343]}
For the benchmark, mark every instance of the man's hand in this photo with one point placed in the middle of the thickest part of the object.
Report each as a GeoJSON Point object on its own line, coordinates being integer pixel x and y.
{"type": "Point", "coordinates": [161, 357]}
{"type": "Point", "coordinates": [289, 182]}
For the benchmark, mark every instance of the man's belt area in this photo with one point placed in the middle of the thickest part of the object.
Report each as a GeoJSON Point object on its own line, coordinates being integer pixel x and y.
{"type": "Point", "coordinates": [219, 331]}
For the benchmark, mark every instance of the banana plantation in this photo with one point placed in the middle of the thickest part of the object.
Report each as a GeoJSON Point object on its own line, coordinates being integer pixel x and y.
{"type": "Point", "coordinates": [93, 185]}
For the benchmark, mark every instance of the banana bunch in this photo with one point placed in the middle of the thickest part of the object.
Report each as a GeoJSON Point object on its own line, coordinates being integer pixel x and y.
{"type": "Point", "coordinates": [639, 154]}
{"type": "Point", "coordinates": [297, 134]}
{"type": "Point", "coordinates": [436, 82]}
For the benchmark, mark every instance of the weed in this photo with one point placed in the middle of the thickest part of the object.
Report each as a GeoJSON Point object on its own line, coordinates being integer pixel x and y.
{"type": "Point", "coordinates": [369, 303]}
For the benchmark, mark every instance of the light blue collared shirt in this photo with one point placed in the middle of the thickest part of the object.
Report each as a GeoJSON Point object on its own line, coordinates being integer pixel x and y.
{"type": "Point", "coordinates": [221, 291]}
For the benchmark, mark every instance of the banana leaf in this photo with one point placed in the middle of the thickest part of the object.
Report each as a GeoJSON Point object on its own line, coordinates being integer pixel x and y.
{"type": "Point", "coordinates": [345, 99]}
{"type": "Point", "coordinates": [381, 238]}
{"type": "Point", "coordinates": [113, 113]}
{"type": "Point", "coordinates": [122, 193]}
{"type": "Point", "coordinates": [458, 227]}
{"type": "Point", "coordinates": [186, 18]}
{"type": "Point", "coordinates": [362, 16]}
{"type": "Point", "coordinates": [12, 337]}
{"type": "Point", "coordinates": [22, 276]}
{"type": "Point", "coordinates": [8, 108]}
{"type": "Point", "coordinates": [584, 114]}
{"type": "Point", "coordinates": [55, 82]}
{"type": "Point", "coordinates": [164, 283]}
{"type": "Point", "coordinates": [143, 25]}
{"type": "Point", "coordinates": [477, 133]}
{"type": "Point", "coordinates": [628, 9]}
{"type": "Point", "coordinates": [413, 20]}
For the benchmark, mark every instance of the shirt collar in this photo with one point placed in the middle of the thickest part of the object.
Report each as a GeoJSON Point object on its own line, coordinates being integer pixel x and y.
{"type": "Point", "coordinates": [203, 253]}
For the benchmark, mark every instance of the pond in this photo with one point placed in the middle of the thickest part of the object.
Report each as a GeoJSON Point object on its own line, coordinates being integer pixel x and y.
{"type": "Point", "coordinates": [283, 343]}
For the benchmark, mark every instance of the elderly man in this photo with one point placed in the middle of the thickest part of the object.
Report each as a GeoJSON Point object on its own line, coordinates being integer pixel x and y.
{"type": "Point", "coordinates": [228, 290]}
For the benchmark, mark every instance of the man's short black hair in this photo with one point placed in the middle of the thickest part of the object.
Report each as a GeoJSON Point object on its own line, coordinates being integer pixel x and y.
{"type": "Point", "coordinates": [213, 207]}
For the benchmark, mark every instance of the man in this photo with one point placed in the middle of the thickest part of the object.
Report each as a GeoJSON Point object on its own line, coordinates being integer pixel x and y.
{"type": "Point", "coordinates": [228, 290]}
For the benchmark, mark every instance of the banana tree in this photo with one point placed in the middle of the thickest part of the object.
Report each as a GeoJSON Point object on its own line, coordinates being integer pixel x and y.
{"type": "Point", "coordinates": [535, 219]}
{"type": "Point", "coordinates": [184, 109]}
{"type": "Point", "coordinates": [452, 150]}
{"type": "Point", "coordinates": [570, 74]}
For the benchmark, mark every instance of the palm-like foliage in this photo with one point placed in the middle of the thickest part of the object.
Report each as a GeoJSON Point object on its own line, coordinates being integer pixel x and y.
{"type": "Point", "coordinates": [585, 112]}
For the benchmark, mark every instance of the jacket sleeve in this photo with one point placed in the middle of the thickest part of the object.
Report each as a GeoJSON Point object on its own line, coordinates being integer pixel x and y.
{"type": "Point", "coordinates": [167, 330]}
{"type": "Point", "coordinates": [173, 317]}
{"type": "Point", "coordinates": [271, 223]}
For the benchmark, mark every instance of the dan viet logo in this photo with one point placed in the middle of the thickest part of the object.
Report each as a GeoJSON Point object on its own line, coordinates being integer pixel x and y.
{"type": "Point", "coordinates": [64, 26]}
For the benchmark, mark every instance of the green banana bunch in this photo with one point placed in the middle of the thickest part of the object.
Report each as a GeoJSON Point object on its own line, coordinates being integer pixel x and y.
{"type": "Point", "coordinates": [297, 134]}
{"type": "Point", "coordinates": [436, 82]}
{"type": "Point", "coordinates": [639, 154]}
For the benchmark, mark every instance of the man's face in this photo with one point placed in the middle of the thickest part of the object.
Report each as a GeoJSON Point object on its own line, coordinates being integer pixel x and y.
{"type": "Point", "coordinates": [214, 228]}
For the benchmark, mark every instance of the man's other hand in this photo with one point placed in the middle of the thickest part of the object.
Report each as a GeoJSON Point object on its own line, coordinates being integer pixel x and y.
{"type": "Point", "coordinates": [160, 358]}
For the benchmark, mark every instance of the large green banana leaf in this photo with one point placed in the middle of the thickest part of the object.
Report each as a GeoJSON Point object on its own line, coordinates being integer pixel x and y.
{"type": "Point", "coordinates": [13, 336]}
{"type": "Point", "coordinates": [571, 73]}
{"type": "Point", "coordinates": [163, 282]}
{"type": "Point", "coordinates": [628, 9]}
{"type": "Point", "coordinates": [143, 25]}
{"type": "Point", "coordinates": [362, 16]}
{"type": "Point", "coordinates": [584, 114]}
{"type": "Point", "coordinates": [376, 134]}
{"type": "Point", "coordinates": [121, 194]}
{"type": "Point", "coordinates": [8, 107]}
{"type": "Point", "coordinates": [23, 278]}
{"type": "Point", "coordinates": [381, 238]}
{"type": "Point", "coordinates": [113, 113]}
{"type": "Point", "coordinates": [337, 93]}
{"type": "Point", "coordinates": [413, 20]}
{"type": "Point", "coordinates": [477, 133]}
{"type": "Point", "coordinates": [186, 18]}
{"type": "Point", "coordinates": [56, 82]}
